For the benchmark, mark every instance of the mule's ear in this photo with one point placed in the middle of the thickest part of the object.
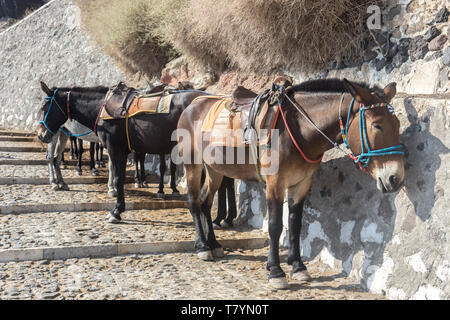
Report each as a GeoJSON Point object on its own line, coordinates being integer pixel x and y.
{"type": "Point", "coordinates": [389, 91]}
{"type": "Point", "coordinates": [46, 89]}
{"type": "Point", "coordinates": [360, 94]}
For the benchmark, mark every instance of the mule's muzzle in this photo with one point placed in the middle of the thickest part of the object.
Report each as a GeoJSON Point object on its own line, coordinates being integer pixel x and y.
{"type": "Point", "coordinates": [392, 184]}
{"type": "Point", "coordinates": [44, 135]}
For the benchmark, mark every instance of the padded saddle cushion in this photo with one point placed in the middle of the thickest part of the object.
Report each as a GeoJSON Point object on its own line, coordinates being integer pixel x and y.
{"type": "Point", "coordinates": [224, 116]}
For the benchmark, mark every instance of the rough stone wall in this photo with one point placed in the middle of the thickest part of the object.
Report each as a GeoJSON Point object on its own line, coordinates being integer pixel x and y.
{"type": "Point", "coordinates": [49, 46]}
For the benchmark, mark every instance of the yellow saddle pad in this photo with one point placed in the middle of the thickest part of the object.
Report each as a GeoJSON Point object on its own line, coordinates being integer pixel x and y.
{"type": "Point", "coordinates": [143, 104]}
{"type": "Point", "coordinates": [226, 123]}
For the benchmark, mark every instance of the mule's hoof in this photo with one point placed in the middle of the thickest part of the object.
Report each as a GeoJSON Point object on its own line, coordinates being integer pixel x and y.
{"type": "Point", "coordinates": [225, 225]}
{"type": "Point", "coordinates": [136, 185]}
{"type": "Point", "coordinates": [205, 255]}
{"type": "Point", "coordinates": [94, 173]}
{"type": "Point", "coordinates": [216, 226]}
{"type": "Point", "coordinates": [113, 219]}
{"type": "Point", "coordinates": [160, 195]}
{"type": "Point", "coordinates": [79, 173]}
{"type": "Point", "coordinates": [279, 283]}
{"type": "Point", "coordinates": [218, 253]}
{"type": "Point", "coordinates": [112, 193]}
{"type": "Point", "coordinates": [64, 187]}
{"type": "Point", "coordinates": [176, 193]}
{"type": "Point", "coordinates": [302, 276]}
{"type": "Point", "coordinates": [144, 185]}
{"type": "Point", "coordinates": [55, 187]}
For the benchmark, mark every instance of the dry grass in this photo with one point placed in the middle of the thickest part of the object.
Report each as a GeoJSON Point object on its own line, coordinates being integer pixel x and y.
{"type": "Point", "coordinates": [262, 36]}
{"type": "Point", "coordinates": [268, 36]}
{"type": "Point", "coordinates": [133, 32]}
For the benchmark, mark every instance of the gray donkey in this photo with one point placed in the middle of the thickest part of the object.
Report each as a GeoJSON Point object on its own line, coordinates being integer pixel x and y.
{"type": "Point", "coordinates": [56, 147]}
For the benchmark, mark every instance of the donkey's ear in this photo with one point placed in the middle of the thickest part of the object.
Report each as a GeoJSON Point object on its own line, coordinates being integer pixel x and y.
{"type": "Point", "coordinates": [45, 88]}
{"type": "Point", "coordinates": [360, 94]}
{"type": "Point", "coordinates": [389, 91]}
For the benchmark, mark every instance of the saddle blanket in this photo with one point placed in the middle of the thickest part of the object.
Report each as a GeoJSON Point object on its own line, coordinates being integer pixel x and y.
{"type": "Point", "coordinates": [226, 123]}
{"type": "Point", "coordinates": [143, 104]}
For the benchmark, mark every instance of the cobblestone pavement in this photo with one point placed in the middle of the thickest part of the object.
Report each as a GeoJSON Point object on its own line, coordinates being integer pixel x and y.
{"type": "Point", "coordinates": [89, 228]}
{"type": "Point", "coordinates": [239, 275]}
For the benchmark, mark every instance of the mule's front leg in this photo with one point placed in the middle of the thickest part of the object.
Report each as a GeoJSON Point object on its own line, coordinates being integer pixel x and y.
{"type": "Point", "coordinates": [277, 277]}
{"type": "Point", "coordinates": [119, 164]}
{"type": "Point", "coordinates": [173, 178]}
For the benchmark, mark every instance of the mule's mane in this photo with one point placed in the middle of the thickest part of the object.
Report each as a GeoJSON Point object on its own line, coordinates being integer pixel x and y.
{"type": "Point", "coordinates": [330, 85]}
{"type": "Point", "coordinates": [96, 89]}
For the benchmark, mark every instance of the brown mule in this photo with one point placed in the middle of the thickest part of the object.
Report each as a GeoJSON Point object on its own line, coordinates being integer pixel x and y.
{"type": "Point", "coordinates": [321, 101]}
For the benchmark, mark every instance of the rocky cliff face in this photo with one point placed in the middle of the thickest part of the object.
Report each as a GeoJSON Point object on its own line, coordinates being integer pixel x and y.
{"type": "Point", "coordinates": [49, 46]}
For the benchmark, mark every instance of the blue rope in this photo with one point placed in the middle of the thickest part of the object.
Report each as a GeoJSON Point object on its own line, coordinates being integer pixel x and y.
{"type": "Point", "coordinates": [364, 157]}
{"type": "Point", "coordinates": [44, 122]}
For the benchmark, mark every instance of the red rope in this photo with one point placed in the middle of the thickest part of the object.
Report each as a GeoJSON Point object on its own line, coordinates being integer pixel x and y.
{"type": "Point", "coordinates": [295, 142]}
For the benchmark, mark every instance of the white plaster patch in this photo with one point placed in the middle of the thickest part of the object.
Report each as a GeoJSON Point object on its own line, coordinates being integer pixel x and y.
{"type": "Point", "coordinates": [312, 212]}
{"type": "Point", "coordinates": [346, 232]}
{"type": "Point", "coordinates": [379, 276]}
{"type": "Point", "coordinates": [396, 239]}
{"type": "Point", "coordinates": [327, 258]}
{"type": "Point", "coordinates": [427, 292]}
{"type": "Point", "coordinates": [314, 231]}
{"type": "Point", "coordinates": [443, 271]}
{"type": "Point", "coordinates": [415, 261]}
{"type": "Point", "coordinates": [395, 293]}
{"type": "Point", "coordinates": [369, 234]}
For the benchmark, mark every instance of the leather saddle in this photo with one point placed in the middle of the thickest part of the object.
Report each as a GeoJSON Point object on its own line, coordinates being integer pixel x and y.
{"type": "Point", "coordinates": [119, 100]}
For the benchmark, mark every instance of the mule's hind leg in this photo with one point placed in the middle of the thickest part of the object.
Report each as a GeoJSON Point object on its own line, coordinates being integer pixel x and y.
{"type": "Point", "coordinates": [296, 198]}
{"type": "Point", "coordinates": [162, 170]}
{"type": "Point", "coordinates": [173, 178]}
{"type": "Point", "coordinates": [80, 156]}
{"type": "Point", "coordinates": [193, 175]}
{"type": "Point", "coordinates": [94, 170]}
{"type": "Point", "coordinates": [137, 178]}
{"type": "Point", "coordinates": [212, 183]}
{"type": "Point", "coordinates": [112, 192]}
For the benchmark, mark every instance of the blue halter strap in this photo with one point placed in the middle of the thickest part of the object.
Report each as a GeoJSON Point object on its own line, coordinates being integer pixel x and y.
{"type": "Point", "coordinates": [364, 158]}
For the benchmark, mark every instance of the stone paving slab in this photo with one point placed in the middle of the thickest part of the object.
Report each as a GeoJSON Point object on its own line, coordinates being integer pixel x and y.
{"type": "Point", "coordinates": [17, 139]}
{"type": "Point", "coordinates": [13, 133]}
{"type": "Point", "coordinates": [241, 274]}
{"type": "Point", "coordinates": [26, 194]}
{"type": "Point", "coordinates": [109, 250]}
{"type": "Point", "coordinates": [24, 171]}
{"type": "Point", "coordinates": [58, 229]}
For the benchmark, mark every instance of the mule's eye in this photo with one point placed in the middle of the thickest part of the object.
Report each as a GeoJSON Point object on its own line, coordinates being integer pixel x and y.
{"type": "Point", "coordinates": [377, 126]}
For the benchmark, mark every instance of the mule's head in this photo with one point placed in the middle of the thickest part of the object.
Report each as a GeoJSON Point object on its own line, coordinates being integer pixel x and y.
{"type": "Point", "coordinates": [382, 129]}
{"type": "Point", "coordinates": [52, 116]}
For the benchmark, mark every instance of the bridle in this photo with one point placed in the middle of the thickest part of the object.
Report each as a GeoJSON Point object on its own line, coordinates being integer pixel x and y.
{"type": "Point", "coordinates": [364, 158]}
{"type": "Point", "coordinates": [67, 114]}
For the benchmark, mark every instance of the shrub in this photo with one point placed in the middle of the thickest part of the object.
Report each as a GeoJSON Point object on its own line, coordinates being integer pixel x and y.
{"type": "Point", "coordinates": [262, 36]}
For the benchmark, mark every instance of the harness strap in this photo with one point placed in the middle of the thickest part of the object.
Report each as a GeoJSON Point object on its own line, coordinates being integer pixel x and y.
{"type": "Point", "coordinates": [101, 110]}
{"type": "Point", "coordinates": [68, 106]}
{"type": "Point", "coordinates": [295, 142]}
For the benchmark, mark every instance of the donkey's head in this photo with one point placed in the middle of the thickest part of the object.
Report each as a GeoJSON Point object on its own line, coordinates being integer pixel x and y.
{"type": "Point", "coordinates": [373, 135]}
{"type": "Point", "coordinates": [53, 114]}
